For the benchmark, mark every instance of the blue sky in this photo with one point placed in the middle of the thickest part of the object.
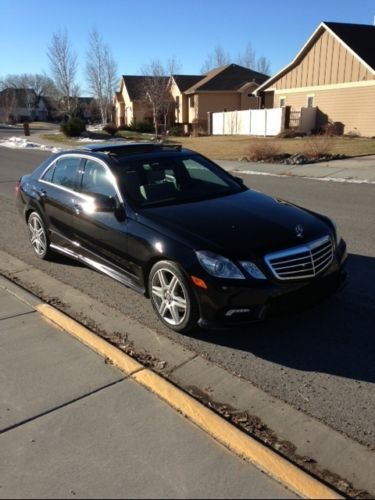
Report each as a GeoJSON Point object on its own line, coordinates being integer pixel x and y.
{"type": "Point", "coordinates": [139, 31]}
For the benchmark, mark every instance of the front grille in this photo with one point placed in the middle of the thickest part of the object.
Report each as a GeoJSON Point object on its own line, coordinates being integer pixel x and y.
{"type": "Point", "coordinates": [305, 261]}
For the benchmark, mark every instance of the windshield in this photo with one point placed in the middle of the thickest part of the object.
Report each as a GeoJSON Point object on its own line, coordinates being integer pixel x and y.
{"type": "Point", "coordinates": [172, 179]}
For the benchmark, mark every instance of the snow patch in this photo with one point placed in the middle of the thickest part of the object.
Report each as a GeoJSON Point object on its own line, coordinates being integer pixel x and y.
{"type": "Point", "coordinates": [21, 143]}
{"type": "Point", "coordinates": [94, 128]}
{"type": "Point", "coordinates": [87, 139]}
{"type": "Point", "coordinates": [6, 125]}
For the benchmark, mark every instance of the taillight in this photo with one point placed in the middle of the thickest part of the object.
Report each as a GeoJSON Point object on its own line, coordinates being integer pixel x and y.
{"type": "Point", "coordinates": [17, 188]}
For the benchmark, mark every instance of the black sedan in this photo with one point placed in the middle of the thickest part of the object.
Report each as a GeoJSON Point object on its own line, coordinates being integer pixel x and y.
{"type": "Point", "coordinates": [174, 226]}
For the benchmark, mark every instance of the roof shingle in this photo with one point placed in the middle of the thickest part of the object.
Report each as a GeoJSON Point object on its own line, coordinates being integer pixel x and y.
{"type": "Point", "coordinates": [184, 82]}
{"type": "Point", "coordinates": [230, 77]}
{"type": "Point", "coordinates": [135, 85]}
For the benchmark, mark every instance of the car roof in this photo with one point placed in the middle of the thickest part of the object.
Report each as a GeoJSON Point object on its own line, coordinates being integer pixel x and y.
{"type": "Point", "coordinates": [124, 148]}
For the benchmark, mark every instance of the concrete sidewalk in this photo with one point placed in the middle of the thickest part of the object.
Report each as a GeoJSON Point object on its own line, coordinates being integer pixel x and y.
{"type": "Point", "coordinates": [72, 425]}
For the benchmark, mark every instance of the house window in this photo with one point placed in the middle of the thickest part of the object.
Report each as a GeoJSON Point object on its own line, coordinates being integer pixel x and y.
{"type": "Point", "coordinates": [282, 102]}
{"type": "Point", "coordinates": [191, 101]}
{"type": "Point", "coordinates": [177, 101]}
{"type": "Point", "coordinates": [310, 101]}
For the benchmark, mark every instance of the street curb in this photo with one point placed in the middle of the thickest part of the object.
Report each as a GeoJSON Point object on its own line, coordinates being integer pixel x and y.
{"type": "Point", "coordinates": [124, 362]}
{"type": "Point", "coordinates": [227, 434]}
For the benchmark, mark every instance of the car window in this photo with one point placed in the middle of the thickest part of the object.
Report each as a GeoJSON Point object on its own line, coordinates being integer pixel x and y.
{"type": "Point", "coordinates": [48, 176]}
{"type": "Point", "coordinates": [198, 171]}
{"type": "Point", "coordinates": [65, 172]}
{"type": "Point", "coordinates": [97, 180]}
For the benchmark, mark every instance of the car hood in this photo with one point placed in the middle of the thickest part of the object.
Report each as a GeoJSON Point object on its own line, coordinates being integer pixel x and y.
{"type": "Point", "coordinates": [238, 225]}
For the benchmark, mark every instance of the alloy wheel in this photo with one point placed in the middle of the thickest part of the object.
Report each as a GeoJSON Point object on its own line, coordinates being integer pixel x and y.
{"type": "Point", "coordinates": [38, 237]}
{"type": "Point", "coordinates": [169, 296]}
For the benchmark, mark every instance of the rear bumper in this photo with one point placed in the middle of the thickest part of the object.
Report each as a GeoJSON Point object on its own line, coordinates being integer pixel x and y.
{"type": "Point", "coordinates": [224, 306]}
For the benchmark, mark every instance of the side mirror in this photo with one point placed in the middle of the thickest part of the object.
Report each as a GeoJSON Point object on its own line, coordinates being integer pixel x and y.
{"type": "Point", "coordinates": [105, 204]}
{"type": "Point", "coordinates": [239, 180]}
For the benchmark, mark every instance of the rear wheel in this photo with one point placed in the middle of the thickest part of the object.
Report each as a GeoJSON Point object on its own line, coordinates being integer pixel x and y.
{"type": "Point", "coordinates": [172, 297]}
{"type": "Point", "coordinates": [38, 236]}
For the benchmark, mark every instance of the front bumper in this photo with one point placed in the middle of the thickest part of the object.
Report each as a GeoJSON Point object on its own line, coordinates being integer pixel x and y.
{"type": "Point", "coordinates": [223, 305]}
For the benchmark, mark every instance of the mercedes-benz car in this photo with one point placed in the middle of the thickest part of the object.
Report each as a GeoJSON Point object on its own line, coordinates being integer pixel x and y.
{"type": "Point", "coordinates": [175, 227]}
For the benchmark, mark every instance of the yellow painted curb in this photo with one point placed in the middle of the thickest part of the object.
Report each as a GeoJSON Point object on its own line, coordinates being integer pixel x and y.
{"type": "Point", "coordinates": [124, 362]}
{"type": "Point", "coordinates": [240, 443]}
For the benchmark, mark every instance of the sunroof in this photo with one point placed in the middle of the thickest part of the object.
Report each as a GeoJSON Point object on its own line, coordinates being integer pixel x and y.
{"type": "Point", "coordinates": [122, 148]}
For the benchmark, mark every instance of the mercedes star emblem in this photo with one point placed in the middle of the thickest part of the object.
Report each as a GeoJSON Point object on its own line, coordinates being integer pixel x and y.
{"type": "Point", "coordinates": [299, 231]}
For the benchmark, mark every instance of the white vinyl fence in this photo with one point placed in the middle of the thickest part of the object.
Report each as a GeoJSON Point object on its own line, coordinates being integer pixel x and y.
{"type": "Point", "coordinates": [249, 122]}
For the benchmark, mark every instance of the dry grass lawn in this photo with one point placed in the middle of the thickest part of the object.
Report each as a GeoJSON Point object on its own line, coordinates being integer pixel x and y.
{"type": "Point", "coordinates": [235, 147]}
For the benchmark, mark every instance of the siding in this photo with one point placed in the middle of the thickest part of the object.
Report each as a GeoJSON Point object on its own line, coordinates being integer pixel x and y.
{"type": "Point", "coordinates": [218, 102]}
{"type": "Point", "coordinates": [181, 116]}
{"type": "Point", "coordinates": [354, 107]}
{"type": "Point", "coordinates": [326, 62]}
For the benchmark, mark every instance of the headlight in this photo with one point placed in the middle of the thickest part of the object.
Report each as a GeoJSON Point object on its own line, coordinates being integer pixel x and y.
{"type": "Point", "coordinates": [253, 270]}
{"type": "Point", "coordinates": [219, 266]}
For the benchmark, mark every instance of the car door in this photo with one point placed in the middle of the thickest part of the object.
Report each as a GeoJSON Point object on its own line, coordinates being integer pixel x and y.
{"type": "Point", "coordinates": [101, 235]}
{"type": "Point", "coordinates": [56, 189]}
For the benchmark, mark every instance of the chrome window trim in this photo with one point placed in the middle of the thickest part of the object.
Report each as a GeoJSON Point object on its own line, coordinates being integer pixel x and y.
{"type": "Point", "coordinates": [70, 191]}
{"type": "Point", "coordinates": [306, 248]}
{"type": "Point", "coordinates": [85, 157]}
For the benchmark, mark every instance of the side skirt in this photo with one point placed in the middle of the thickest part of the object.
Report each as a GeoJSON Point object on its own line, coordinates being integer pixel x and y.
{"type": "Point", "coordinates": [98, 267]}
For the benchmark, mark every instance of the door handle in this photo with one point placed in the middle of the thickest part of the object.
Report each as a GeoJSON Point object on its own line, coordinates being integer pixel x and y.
{"type": "Point", "coordinates": [77, 209]}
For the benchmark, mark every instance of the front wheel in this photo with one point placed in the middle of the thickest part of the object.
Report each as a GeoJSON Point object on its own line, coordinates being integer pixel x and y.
{"type": "Point", "coordinates": [172, 297]}
{"type": "Point", "coordinates": [38, 236]}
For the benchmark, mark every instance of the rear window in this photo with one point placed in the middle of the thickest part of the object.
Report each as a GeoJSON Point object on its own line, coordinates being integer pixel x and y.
{"type": "Point", "coordinates": [48, 176]}
{"type": "Point", "coordinates": [64, 172]}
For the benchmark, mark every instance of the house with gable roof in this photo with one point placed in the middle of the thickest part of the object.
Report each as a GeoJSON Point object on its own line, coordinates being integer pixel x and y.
{"type": "Point", "coordinates": [333, 72]}
{"type": "Point", "coordinates": [18, 104]}
{"type": "Point", "coordinates": [179, 85]}
{"type": "Point", "coordinates": [226, 88]}
{"type": "Point", "coordinates": [131, 105]}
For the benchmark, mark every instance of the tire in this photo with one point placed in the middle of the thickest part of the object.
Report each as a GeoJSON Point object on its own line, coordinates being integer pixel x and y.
{"type": "Point", "coordinates": [172, 297]}
{"type": "Point", "coordinates": [38, 236]}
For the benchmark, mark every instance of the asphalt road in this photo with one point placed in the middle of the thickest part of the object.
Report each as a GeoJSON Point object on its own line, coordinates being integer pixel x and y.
{"type": "Point", "coordinates": [320, 360]}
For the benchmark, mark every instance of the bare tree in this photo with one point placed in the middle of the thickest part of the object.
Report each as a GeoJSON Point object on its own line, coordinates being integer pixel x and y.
{"type": "Point", "coordinates": [30, 88]}
{"type": "Point", "coordinates": [101, 74]}
{"type": "Point", "coordinates": [263, 65]}
{"type": "Point", "coordinates": [173, 66]}
{"type": "Point", "coordinates": [40, 83]}
{"type": "Point", "coordinates": [218, 58]}
{"type": "Point", "coordinates": [248, 59]}
{"type": "Point", "coordinates": [157, 91]}
{"type": "Point", "coordinates": [63, 64]}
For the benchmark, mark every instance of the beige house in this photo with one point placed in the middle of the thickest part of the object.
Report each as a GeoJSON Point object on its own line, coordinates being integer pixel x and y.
{"type": "Point", "coordinates": [226, 88]}
{"type": "Point", "coordinates": [131, 105]}
{"type": "Point", "coordinates": [334, 72]}
{"type": "Point", "coordinates": [179, 85]}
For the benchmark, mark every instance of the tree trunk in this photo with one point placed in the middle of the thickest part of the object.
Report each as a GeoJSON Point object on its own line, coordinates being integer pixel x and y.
{"type": "Point", "coordinates": [156, 122]}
